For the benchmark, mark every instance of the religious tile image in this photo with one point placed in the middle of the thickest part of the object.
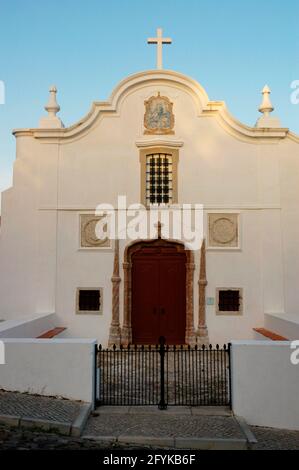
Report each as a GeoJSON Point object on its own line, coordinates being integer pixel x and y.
{"type": "Point", "coordinates": [159, 117]}
{"type": "Point", "coordinates": [178, 329]}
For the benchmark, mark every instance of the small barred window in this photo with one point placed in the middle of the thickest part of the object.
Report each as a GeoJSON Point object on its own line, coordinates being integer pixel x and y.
{"type": "Point", "coordinates": [229, 301]}
{"type": "Point", "coordinates": [89, 300]}
{"type": "Point", "coordinates": [159, 178]}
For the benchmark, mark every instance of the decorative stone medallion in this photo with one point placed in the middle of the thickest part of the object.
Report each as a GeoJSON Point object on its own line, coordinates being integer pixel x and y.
{"type": "Point", "coordinates": [89, 239]}
{"type": "Point", "coordinates": [158, 117]}
{"type": "Point", "coordinates": [223, 230]}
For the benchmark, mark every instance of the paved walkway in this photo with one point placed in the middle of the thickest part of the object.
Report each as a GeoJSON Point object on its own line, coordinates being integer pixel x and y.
{"type": "Point", "coordinates": [129, 427]}
{"type": "Point", "coordinates": [176, 427]}
{"type": "Point", "coordinates": [27, 439]}
{"type": "Point", "coordinates": [35, 406]}
{"type": "Point", "coordinates": [47, 413]}
{"type": "Point", "coordinates": [150, 422]}
{"type": "Point", "coordinates": [16, 438]}
{"type": "Point", "coordinates": [124, 424]}
{"type": "Point", "coordinates": [275, 439]}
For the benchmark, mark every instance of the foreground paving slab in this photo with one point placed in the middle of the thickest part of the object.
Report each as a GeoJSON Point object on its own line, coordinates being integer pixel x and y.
{"type": "Point", "coordinates": [174, 428]}
{"type": "Point", "coordinates": [46, 413]}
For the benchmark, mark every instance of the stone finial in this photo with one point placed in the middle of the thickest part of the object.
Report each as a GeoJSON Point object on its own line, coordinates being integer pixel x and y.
{"type": "Point", "coordinates": [266, 107]}
{"type": "Point", "coordinates": [52, 107]}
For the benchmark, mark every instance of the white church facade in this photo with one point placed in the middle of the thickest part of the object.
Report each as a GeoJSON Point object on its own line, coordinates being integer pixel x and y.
{"type": "Point", "coordinates": [159, 140]}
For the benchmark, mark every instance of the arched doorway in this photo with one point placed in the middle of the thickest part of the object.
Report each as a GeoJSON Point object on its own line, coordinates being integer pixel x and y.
{"type": "Point", "coordinates": [158, 297]}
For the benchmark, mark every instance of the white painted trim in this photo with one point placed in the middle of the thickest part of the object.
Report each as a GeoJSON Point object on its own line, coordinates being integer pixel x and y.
{"type": "Point", "coordinates": [50, 341]}
{"type": "Point", "coordinates": [206, 207]}
{"type": "Point", "coordinates": [159, 143]}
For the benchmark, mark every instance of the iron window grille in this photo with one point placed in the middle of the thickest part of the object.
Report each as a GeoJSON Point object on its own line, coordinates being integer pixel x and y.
{"type": "Point", "coordinates": [159, 178]}
{"type": "Point", "coordinates": [89, 300]}
{"type": "Point", "coordinates": [229, 301]}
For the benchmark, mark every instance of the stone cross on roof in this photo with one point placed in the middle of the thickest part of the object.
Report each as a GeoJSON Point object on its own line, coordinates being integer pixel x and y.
{"type": "Point", "coordinates": [159, 40]}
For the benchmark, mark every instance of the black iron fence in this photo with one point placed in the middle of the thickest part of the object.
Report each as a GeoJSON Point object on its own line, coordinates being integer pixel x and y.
{"type": "Point", "coordinates": [163, 375]}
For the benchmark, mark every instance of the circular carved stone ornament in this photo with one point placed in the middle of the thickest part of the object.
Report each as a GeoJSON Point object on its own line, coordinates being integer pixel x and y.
{"type": "Point", "coordinates": [90, 233]}
{"type": "Point", "coordinates": [224, 230]}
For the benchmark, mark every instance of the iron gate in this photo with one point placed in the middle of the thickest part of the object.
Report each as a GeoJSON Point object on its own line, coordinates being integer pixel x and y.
{"type": "Point", "coordinates": [163, 375]}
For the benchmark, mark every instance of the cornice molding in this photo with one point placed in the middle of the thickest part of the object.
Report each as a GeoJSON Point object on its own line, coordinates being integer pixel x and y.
{"type": "Point", "coordinates": [144, 143]}
{"type": "Point", "coordinates": [206, 207]}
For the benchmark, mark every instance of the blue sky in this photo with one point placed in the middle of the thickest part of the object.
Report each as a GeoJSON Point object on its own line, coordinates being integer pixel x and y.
{"type": "Point", "coordinates": [233, 48]}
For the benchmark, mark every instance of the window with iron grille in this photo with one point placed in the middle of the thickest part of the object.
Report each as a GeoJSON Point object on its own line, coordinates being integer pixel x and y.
{"type": "Point", "coordinates": [159, 178]}
{"type": "Point", "coordinates": [229, 301]}
{"type": "Point", "coordinates": [89, 300]}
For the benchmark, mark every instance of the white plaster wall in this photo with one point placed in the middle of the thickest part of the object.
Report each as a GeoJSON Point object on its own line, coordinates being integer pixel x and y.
{"type": "Point", "coordinates": [62, 368]}
{"type": "Point", "coordinates": [56, 180]}
{"type": "Point", "coordinates": [81, 268]}
{"type": "Point", "coordinates": [28, 327]}
{"type": "Point", "coordinates": [236, 269]}
{"type": "Point", "coordinates": [46, 263]}
{"type": "Point", "coordinates": [265, 384]}
{"type": "Point", "coordinates": [289, 176]}
{"type": "Point", "coordinates": [219, 168]}
{"type": "Point", "coordinates": [18, 234]}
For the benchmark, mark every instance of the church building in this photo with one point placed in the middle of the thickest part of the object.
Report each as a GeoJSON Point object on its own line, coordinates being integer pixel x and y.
{"type": "Point", "coordinates": [159, 141]}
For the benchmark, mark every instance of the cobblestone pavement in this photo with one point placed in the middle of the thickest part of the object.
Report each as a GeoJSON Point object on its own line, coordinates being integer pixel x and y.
{"type": "Point", "coordinates": [275, 439]}
{"type": "Point", "coordinates": [131, 421]}
{"type": "Point", "coordinates": [163, 425]}
{"type": "Point", "coordinates": [19, 439]}
{"type": "Point", "coordinates": [35, 406]}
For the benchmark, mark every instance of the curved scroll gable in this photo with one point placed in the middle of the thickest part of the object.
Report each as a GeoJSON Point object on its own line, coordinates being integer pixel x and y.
{"type": "Point", "coordinates": [219, 111]}
{"type": "Point", "coordinates": [204, 107]}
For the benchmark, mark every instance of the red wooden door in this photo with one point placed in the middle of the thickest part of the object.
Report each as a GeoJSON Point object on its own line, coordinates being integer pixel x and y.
{"type": "Point", "coordinates": [158, 295]}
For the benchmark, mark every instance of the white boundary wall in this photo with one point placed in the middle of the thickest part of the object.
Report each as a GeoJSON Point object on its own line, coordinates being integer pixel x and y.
{"type": "Point", "coordinates": [265, 384]}
{"type": "Point", "coordinates": [53, 367]}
